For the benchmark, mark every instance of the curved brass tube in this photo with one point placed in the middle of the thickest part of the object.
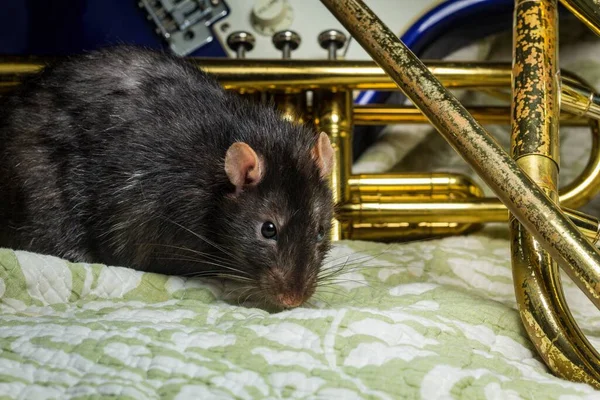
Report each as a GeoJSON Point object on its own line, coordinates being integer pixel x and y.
{"type": "Point", "coordinates": [544, 311]}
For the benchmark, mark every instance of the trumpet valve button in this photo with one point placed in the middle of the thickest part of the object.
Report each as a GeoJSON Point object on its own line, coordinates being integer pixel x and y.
{"type": "Point", "coordinates": [241, 42]}
{"type": "Point", "coordinates": [286, 41]}
{"type": "Point", "coordinates": [332, 40]}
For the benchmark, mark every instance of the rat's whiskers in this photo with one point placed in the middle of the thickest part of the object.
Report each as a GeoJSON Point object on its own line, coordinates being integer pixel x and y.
{"type": "Point", "coordinates": [205, 240]}
{"type": "Point", "coordinates": [203, 262]}
{"type": "Point", "coordinates": [201, 253]}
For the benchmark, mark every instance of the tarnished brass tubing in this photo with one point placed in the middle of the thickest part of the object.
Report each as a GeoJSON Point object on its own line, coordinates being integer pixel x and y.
{"type": "Point", "coordinates": [587, 11]}
{"type": "Point", "coordinates": [460, 211]}
{"type": "Point", "coordinates": [544, 219]}
{"type": "Point", "coordinates": [284, 75]}
{"type": "Point", "coordinates": [535, 143]}
{"type": "Point", "coordinates": [390, 114]}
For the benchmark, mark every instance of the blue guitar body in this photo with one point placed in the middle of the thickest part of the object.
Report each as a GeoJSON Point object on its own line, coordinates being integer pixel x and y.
{"type": "Point", "coordinates": [61, 27]}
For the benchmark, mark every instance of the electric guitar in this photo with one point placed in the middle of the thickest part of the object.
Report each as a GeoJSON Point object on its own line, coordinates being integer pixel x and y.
{"type": "Point", "coordinates": [431, 28]}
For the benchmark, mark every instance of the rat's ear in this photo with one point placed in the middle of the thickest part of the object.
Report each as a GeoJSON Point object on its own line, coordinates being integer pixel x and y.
{"type": "Point", "coordinates": [323, 154]}
{"type": "Point", "coordinates": [243, 167]}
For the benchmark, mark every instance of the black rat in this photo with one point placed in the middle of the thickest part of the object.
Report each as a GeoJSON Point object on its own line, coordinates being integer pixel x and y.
{"type": "Point", "coordinates": [130, 157]}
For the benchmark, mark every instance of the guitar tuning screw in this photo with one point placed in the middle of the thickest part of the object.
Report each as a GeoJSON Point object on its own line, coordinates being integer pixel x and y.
{"type": "Point", "coordinates": [241, 42]}
{"type": "Point", "coordinates": [332, 40]}
{"type": "Point", "coordinates": [286, 41]}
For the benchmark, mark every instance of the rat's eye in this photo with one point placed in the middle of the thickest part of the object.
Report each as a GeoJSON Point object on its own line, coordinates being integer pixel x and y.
{"type": "Point", "coordinates": [269, 230]}
{"type": "Point", "coordinates": [321, 234]}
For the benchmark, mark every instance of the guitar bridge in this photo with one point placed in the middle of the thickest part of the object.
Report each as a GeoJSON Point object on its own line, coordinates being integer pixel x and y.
{"type": "Point", "coordinates": [185, 24]}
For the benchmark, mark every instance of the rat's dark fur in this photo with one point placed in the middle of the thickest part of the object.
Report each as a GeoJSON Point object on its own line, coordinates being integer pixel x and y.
{"type": "Point", "coordinates": [117, 157]}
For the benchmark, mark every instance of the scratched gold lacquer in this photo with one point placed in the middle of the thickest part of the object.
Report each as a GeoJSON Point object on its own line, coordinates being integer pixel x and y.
{"type": "Point", "coordinates": [535, 119]}
{"type": "Point", "coordinates": [406, 206]}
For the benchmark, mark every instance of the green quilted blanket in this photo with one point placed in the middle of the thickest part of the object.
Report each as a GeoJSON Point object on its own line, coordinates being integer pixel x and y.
{"type": "Point", "coordinates": [429, 319]}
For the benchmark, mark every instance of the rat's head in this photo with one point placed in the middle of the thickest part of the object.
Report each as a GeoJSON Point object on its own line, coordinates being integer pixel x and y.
{"type": "Point", "coordinates": [278, 214]}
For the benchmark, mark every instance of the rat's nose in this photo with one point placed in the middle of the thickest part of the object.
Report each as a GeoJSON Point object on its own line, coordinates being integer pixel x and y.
{"type": "Point", "coordinates": [290, 300]}
{"type": "Point", "coordinates": [288, 289]}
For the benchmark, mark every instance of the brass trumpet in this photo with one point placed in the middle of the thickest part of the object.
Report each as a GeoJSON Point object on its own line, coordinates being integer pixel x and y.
{"type": "Point", "coordinates": [391, 206]}
{"type": "Point", "coordinates": [408, 206]}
